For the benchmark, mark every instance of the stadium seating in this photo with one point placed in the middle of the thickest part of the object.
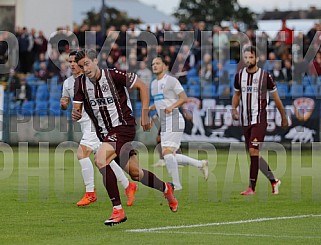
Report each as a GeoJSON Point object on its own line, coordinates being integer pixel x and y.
{"type": "Point", "coordinates": [193, 80]}
{"type": "Point", "coordinates": [185, 87]}
{"type": "Point", "coordinates": [310, 90]}
{"type": "Point", "coordinates": [41, 108]}
{"type": "Point", "coordinates": [15, 108]}
{"type": "Point", "coordinates": [194, 90]}
{"type": "Point", "coordinates": [32, 81]}
{"type": "Point", "coordinates": [42, 93]}
{"type": "Point", "coordinates": [283, 89]}
{"type": "Point", "coordinates": [214, 64]}
{"type": "Point", "coordinates": [230, 66]}
{"type": "Point", "coordinates": [192, 72]}
{"type": "Point", "coordinates": [54, 96]}
{"type": "Point", "coordinates": [307, 80]}
{"type": "Point", "coordinates": [27, 108]}
{"type": "Point", "coordinates": [54, 86]}
{"type": "Point", "coordinates": [208, 91]}
{"type": "Point", "coordinates": [54, 108]}
{"type": "Point", "coordinates": [296, 90]}
{"type": "Point", "coordinates": [222, 90]}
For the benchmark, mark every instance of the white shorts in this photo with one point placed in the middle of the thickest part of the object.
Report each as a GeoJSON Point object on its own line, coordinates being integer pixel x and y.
{"type": "Point", "coordinates": [89, 137]}
{"type": "Point", "coordinates": [172, 133]}
{"type": "Point", "coordinates": [90, 140]}
{"type": "Point", "coordinates": [171, 139]}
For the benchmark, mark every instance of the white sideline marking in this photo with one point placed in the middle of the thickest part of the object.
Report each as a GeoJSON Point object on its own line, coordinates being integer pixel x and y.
{"type": "Point", "coordinates": [238, 234]}
{"type": "Point", "coordinates": [224, 223]}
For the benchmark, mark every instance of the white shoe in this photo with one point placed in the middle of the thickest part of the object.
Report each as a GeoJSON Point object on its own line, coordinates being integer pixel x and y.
{"type": "Point", "coordinates": [160, 163]}
{"type": "Point", "coordinates": [204, 169]}
{"type": "Point", "coordinates": [275, 187]}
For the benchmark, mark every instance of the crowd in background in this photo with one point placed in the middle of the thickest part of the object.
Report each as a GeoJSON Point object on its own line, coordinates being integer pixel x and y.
{"type": "Point", "coordinates": [212, 60]}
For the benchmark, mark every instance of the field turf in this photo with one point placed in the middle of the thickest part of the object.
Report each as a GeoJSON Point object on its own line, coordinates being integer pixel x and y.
{"type": "Point", "coordinates": [39, 189]}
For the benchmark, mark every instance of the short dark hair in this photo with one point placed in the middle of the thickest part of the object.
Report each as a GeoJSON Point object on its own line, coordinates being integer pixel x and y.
{"type": "Point", "coordinates": [80, 55]}
{"type": "Point", "coordinates": [90, 53]}
{"type": "Point", "coordinates": [252, 49]}
{"type": "Point", "coordinates": [162, 58]}
{"type": "Point", "coordinates": [73, 53]}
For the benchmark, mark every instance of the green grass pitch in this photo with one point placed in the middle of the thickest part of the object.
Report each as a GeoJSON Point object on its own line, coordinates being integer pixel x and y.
{"type": "Point", "coordinates": [39, 189]}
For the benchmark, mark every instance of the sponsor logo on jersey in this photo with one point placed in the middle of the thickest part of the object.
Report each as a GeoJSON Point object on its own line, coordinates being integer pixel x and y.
{"type": "Point", "coordinates": [158, 97]}
{"type": "Point", "coordinates": [249, 89]}
{"type": "Point", "coordinates": [102, 101]}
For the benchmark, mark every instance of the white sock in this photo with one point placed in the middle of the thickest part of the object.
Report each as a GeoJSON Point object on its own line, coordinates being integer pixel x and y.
{"type": "Point", "coordinates": [118, 206]}
{"type": "Point", "coordinates": [185, 160]}
{"type": "Point", "coordinates": [172, 168]}
{"type": "Point", "coordinates": [120, 176]}
{"type": "Point", "coordinates": [87, 171]}
{"type": "Point", "coordinates": [165, 189]}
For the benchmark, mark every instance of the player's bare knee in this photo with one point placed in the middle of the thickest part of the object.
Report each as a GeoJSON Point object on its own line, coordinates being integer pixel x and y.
{"type": "Point", "coordinates": [80, 153]}
{"type": "Point", "coordinates": [100, 163]}
{"type": "Point", "coordinates": [83, 152]}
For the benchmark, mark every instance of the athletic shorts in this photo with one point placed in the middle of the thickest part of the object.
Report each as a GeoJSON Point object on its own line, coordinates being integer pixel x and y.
{"type": "Point", "coordinates": [254, 134]}
{"type": "Point", "coordinates": [172, 129]}
{"type": "Point", "coordinates": [89, 136]}
{"type": "Point", "coordinates": [171, 139]}
{"type": "Point", "coordinates": [90, 140]}
{"type": "Point", "coordinates": [121, 138]}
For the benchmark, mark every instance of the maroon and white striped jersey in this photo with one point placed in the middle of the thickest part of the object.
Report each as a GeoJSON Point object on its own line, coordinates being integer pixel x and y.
{"type": "Point", "coordinates": [254, 88]}
{"type": "Point", "coordinates": [107, 101]}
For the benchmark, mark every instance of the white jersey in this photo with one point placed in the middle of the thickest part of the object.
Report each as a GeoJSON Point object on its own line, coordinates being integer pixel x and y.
{"type": "Point", "coordinates": [89, 137]}
{"type": "Point", "coordinates": [68, 91]}
{"type": "Point", "coordinates": [165, 93]}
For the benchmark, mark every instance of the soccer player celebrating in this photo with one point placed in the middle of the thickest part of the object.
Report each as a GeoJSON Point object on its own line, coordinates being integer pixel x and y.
{"type": "Point", "coordinates": [251, 92]}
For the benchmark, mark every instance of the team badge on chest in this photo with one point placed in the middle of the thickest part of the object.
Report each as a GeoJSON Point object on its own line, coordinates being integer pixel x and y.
{"type": "Point", "coordinates": [105, 87]}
